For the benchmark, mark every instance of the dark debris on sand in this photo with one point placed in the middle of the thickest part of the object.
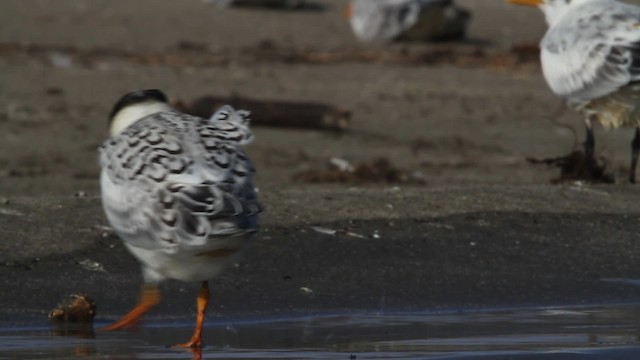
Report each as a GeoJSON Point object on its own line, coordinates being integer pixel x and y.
{"type": "Point", "coordinates": [379, 170]}
{"type": "Point", "coordinates": [186, 53]}
{"type": "Point", "coordinates": [577, 166]}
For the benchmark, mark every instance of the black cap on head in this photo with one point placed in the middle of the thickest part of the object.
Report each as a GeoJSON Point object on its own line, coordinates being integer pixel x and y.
{"type": "Point", "coordinates": [137, 97]}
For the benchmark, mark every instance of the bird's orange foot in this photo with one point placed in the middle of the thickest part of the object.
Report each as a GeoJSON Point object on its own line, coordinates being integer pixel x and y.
{"type": "Point", "coordinates": [149, 298]}
{"type": "Point", "coordinates": [191, 344]}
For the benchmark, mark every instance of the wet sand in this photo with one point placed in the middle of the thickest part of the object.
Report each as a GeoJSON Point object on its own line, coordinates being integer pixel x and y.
{"type": "Point", "coordinates": [486, 229]}
{"type": "Point", "coordinates": [413, 249]}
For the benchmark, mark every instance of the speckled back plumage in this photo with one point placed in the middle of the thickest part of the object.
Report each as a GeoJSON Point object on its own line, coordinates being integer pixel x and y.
{"type": "Point", "coordinates": [173, 181]}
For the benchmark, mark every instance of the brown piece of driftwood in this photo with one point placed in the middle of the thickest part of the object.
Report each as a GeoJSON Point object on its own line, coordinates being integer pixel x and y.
{"type": "Point", "coordinates": [311, 115]}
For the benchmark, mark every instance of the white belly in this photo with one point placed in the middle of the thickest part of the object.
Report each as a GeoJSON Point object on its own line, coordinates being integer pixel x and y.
{"type": "Point", "coordinates": [182, 265]}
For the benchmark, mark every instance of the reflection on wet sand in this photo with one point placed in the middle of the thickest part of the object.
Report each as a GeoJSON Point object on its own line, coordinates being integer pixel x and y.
{"type": "Point", "coordinates": [529, 333]}
{"type": "Point", "coordinates": [79, 331]}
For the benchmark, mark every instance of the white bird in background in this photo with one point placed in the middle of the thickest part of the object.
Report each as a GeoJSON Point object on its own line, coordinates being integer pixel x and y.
{"type": "Point", "coordinates": [591, 58]}
{"type": "Point", "coordinates": [413, 20]}
{"type": "Point", "coordinates": [178, 190]}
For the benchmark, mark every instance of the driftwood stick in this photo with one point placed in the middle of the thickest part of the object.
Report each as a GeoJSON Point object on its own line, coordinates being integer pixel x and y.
{"type": "Point", "coordinates": [310, 115]}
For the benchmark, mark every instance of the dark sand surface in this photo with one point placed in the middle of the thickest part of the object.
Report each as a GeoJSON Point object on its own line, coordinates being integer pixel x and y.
{"type": "Point", "coordinates": [486, 229]}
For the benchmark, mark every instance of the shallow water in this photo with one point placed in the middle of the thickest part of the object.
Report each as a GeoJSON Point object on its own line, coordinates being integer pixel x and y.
{"type": "Point", "coordinates": [604, 332]}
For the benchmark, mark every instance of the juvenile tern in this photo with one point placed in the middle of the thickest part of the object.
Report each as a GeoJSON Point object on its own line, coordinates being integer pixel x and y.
{"type": "Point", "coordinates": [178, 190]}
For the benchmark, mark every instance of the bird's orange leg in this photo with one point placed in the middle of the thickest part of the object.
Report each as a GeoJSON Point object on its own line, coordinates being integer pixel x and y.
{"type": "Point", "coordinates": [347, 11]}
{"type": "Point", "coordinates": [203, 301]}
{"type": "Point", "coordinates": [149, 297]}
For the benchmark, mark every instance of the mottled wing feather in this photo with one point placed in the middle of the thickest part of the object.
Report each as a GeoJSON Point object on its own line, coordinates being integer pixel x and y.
{"type": "Point", "coordinates": [175, 180]}
{"type": "Point", "coordinates": [593, 51]}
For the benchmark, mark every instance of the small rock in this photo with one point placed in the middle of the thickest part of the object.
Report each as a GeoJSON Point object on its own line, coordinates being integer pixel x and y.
{"type": "Point", "coordinates": [92, 265]}
{"type": "Point", "coordinates": [305, 290]}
